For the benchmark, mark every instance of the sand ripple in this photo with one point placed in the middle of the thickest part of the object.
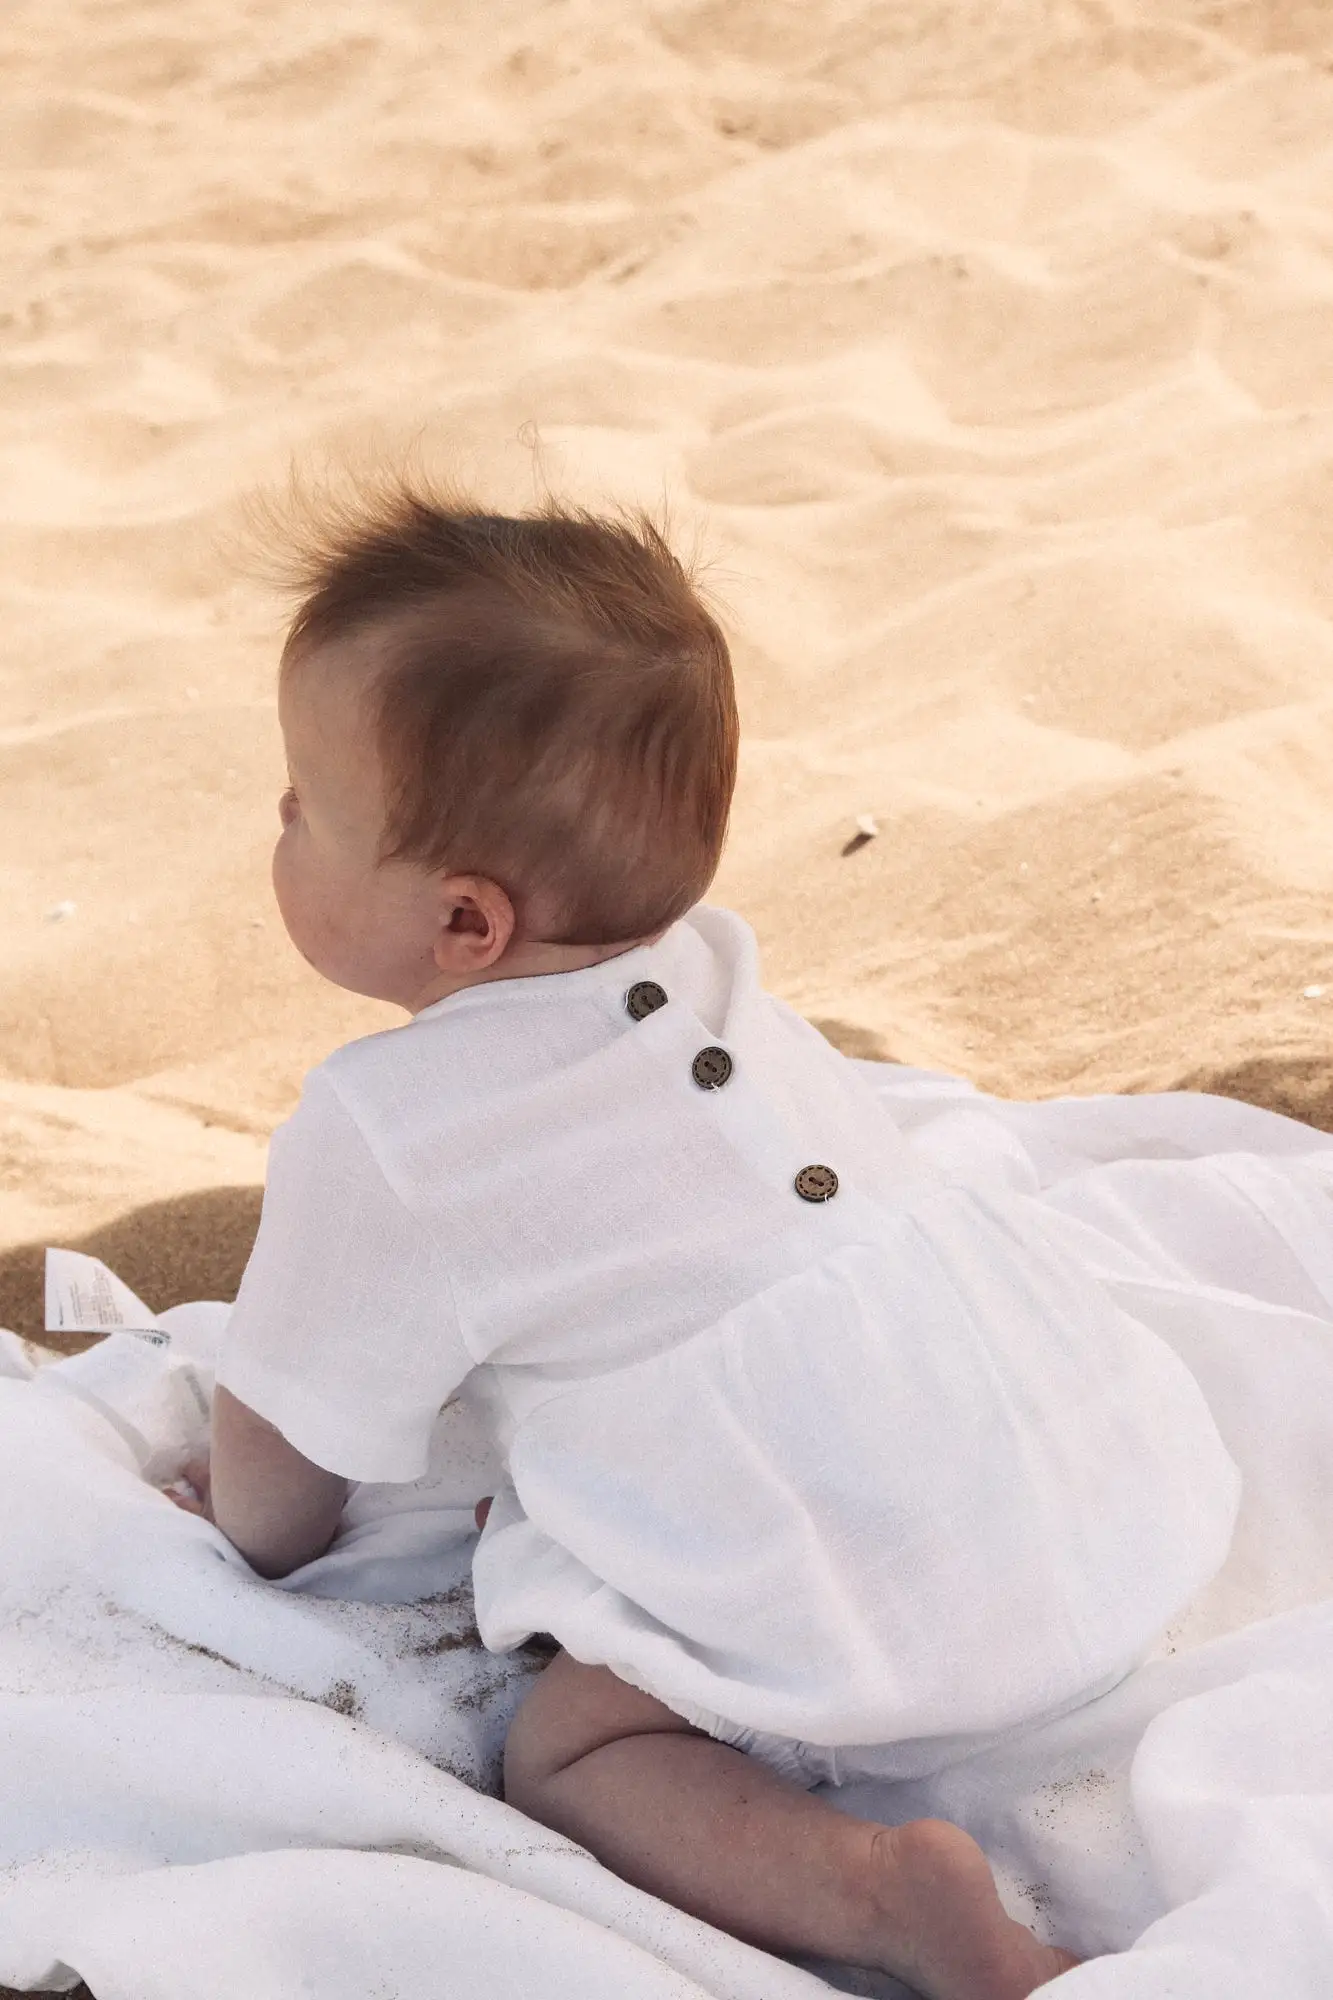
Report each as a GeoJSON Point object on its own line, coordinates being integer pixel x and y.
{"type": "Point", "coordinates": [993, 354]}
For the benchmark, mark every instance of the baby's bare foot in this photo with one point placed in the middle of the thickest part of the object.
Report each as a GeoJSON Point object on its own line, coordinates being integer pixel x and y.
{"type": "Point", "coordinates": [943, 1928]}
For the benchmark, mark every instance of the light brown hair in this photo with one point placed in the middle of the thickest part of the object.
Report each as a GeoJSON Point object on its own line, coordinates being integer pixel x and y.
{"type": "Point", "coordinates": [552, 701]}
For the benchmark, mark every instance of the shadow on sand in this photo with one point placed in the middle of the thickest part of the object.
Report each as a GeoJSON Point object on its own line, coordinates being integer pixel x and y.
{"type": "Point", "coordinates": [192, 1247]}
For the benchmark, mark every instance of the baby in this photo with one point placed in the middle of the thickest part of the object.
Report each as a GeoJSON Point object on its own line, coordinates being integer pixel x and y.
{"type": "Point", "coordinates": [816, 1466]}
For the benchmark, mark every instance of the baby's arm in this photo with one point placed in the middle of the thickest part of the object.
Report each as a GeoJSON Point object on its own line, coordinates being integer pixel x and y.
{"type": "Point", "coordinates": [343, 1334]}
{"type": "Point", "coordinates": [277, 1507]}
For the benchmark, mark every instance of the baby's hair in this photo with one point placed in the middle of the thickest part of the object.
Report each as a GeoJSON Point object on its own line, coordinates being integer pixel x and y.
{"type": "Point", "coordinates": [551, 700]}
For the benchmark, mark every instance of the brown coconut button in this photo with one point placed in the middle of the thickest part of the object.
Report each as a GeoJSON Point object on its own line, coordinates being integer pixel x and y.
{"type": "Point", "coordinates": [711, 1068]}
{"type": "Point", "coordinates": [644, 998]}
{"type": "Point", "coordinates": [816, 1184]}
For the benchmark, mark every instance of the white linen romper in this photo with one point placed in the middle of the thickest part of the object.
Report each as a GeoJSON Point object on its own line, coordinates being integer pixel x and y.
{"type": "Point", "coordinates": [880, 1462]}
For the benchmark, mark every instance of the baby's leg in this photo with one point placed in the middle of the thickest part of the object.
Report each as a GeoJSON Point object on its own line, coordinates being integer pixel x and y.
{"type": "Point", "coordinates": [706, 1828]}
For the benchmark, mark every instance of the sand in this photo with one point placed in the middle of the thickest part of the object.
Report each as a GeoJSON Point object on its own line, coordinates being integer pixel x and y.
{"type": "Point", "coordinates": [986, 348]}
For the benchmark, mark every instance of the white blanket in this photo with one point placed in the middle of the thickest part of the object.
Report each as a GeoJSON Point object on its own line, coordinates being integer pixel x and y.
{"type": "Point", "coordinates": [238, 1790]}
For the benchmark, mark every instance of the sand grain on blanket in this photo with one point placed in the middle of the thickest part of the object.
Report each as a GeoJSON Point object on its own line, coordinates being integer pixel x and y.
{"type": "Point", "coordinates": [987, 349]}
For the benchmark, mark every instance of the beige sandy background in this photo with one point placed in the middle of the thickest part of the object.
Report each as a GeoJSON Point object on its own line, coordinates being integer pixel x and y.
{"type": "Point", "coordinates": [989, 346]}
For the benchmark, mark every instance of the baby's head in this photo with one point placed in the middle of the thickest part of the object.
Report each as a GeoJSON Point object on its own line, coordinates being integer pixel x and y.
{"type": "Point", "coordinates": [511, 744]}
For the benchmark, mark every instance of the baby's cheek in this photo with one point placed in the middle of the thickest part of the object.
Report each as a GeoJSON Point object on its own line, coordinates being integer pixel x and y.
{"type": "Point", "coordinates": [309, 905]}
{"type": "Point", "coordinates": [282, 876]}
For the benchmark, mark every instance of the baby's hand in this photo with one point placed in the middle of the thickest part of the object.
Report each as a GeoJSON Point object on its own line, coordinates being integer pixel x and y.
{"type": "Point", "coordinates": [190, 1490]}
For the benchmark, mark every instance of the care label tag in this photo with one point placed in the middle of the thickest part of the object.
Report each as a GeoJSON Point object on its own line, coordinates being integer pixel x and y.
{"type": "Point", "coordinates": [83, 1296]}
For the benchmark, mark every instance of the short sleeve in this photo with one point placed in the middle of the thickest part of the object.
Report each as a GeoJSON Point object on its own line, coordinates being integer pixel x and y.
{"type": "Point", "coordinates": [344, 1332]}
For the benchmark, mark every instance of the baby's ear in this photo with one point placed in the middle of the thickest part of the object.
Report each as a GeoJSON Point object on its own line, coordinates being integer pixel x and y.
{"type": "Point", "coordinates": [476, 923]}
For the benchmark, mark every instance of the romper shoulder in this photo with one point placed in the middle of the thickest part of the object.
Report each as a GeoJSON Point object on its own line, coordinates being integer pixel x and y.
{"type": "Point", "coordinates": [359, 1079]}
{"type": "Point", "coordinates": [368, 1055]}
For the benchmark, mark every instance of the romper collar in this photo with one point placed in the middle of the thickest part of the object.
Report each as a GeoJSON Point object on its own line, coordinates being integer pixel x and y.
{"type": "Point", "coordinates": [617, 974]}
